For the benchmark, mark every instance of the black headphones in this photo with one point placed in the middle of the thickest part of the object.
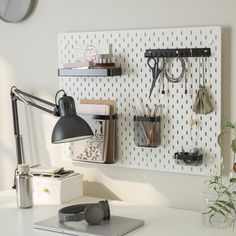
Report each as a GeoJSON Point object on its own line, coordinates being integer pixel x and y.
{"type": "Point", "coordinates": [93, 213]}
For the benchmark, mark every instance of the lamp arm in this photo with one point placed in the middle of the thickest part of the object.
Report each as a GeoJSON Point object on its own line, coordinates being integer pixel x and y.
{"type": "Point", "coordinates": [27, 98]}
{"type": "Point", "coordinates": [19, 151]}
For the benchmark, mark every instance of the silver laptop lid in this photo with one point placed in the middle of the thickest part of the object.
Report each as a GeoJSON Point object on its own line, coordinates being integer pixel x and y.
{"type": "Point", "coordinates": [117, 226]}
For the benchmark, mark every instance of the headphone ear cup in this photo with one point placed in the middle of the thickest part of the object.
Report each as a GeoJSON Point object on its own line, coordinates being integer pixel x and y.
{"type": "Point", "coordinates": [106, 208]}
{"type": "Point", "coordinates": [94, 214]}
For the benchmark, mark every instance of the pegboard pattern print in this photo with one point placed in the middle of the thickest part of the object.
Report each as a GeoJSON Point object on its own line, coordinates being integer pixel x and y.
{"type": "Point", "coordinates": [128, 49]}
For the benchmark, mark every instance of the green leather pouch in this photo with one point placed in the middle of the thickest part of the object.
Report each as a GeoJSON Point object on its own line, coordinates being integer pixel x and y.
{"type": "Point", "coordinates": [202, 104]}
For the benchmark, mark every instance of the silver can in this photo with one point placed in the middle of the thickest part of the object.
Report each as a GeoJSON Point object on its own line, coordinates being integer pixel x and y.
{"type": "Point", "coordinates": [24, 186]}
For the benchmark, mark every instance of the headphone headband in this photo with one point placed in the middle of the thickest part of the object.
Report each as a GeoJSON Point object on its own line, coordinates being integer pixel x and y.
{"type": "Point", "coordinates": [93, 213]}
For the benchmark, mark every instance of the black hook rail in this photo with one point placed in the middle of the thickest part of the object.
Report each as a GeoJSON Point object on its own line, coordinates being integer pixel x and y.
{"type": "Point", "coordinates": [178, 52]}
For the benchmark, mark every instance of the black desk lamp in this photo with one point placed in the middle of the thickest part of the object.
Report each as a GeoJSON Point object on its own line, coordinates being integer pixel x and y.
{"type": "Point", "coordinates": [69, 127]}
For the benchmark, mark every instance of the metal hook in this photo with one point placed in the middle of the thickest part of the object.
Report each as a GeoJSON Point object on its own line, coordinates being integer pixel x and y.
{"type": "Point", "coordinates": [191, 52]}
{"type": "Point", "coordinates": [177, 52]}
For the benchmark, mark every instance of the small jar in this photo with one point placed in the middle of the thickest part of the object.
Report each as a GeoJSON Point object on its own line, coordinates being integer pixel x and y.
{"type": "Point", "coordinates": [147, 131]}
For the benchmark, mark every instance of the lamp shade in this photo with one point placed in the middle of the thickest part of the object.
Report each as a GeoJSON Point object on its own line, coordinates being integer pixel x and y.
{"type": "Point", "coordinates": [69, 127]}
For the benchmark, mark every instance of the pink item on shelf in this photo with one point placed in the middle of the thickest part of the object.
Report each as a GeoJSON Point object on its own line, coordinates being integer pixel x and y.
{"type": "Point", "coordinates": [77, 64]}
{"type": "Point", "coordinates": [91, 53]}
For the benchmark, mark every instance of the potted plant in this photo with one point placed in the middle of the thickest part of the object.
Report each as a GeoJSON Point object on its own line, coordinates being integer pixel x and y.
{"type": "Point", "coordinates": [219, 202]}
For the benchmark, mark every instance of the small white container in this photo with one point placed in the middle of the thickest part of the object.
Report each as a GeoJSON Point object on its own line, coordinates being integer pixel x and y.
{"type": "Point", "coordinates": [57, 191]}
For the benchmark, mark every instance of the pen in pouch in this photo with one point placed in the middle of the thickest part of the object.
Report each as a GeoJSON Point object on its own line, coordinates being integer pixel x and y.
{"type": "Point", "coordinates": [149, 123]}
{"type": "Point", "coordinates": [142, 110]}
{"type": "Point", "coordinates": [140, 124]}
{"type": "Point", "coordinates": [141, 107]}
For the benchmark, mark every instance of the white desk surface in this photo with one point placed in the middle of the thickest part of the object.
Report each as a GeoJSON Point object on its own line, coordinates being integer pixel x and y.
{"type": "Point", "coordinates": [158, 221]}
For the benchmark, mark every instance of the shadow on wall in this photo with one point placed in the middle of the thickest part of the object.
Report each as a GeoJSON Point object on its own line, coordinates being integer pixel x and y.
{"type": "Point", "coordinates": [32, 130]}
{"type": "Point", "coordinates": [101, 191]}
{"type": "Point", "coordinates": [7, 163]}
{"type": "Point", "coordinates": [35, 147]}
{"type": "Point", "coordinates": [146, 187]}
{"type": "Point", "coordinates": [109, 181]}
{"type": "Point", "coordinates": [7, 143]}
{"type": "Point", "coordinates": [32, 122]}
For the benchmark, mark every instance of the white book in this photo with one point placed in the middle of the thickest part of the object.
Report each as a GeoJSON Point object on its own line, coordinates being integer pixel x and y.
{"type": "Point", "coordinates": [93, 149]}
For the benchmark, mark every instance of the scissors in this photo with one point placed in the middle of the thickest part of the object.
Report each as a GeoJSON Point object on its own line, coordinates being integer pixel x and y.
{"type": "Point", "coordinates": [156, 67]}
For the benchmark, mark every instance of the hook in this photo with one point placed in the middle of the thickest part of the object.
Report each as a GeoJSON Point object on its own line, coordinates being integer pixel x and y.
{"type": "Point", "coordinates": [191, 52]}
{"type": "Point", "coordinates": [177, 52]}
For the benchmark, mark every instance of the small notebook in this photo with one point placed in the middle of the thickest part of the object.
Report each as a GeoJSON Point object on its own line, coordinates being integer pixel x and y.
{"type": "Point", "coordinates": [93, 149]}
{"type": "Point", "coordinates": [117, 226]}
{"type": "Point", "coordinates": [111, 150]}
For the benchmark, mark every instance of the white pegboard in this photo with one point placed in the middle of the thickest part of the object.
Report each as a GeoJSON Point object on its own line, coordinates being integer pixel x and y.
{"type": "Point", "coordinates": [128, 48]}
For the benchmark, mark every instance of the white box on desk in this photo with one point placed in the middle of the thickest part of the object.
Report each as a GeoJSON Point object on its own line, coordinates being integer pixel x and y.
{"type": "Point", "coordinates": [48, 190]}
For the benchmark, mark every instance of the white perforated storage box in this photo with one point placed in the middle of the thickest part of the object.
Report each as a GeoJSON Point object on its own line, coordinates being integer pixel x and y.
{"type": "Point", "coordinates": [57, 191]}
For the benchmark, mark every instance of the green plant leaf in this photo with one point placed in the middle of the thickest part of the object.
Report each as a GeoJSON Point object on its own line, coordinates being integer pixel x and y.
{"type": "Point", "coordinates": [210, 217]}
{"type": "Point", "coordinates": [213, 208]}
{"type": "Point", "coordinates": [223, 206]}
{"type": "Point", "coordinates": [208, 212]}
{"type": "Point", "coordinates": [228, 125]}
{"type": "Point", "coordinates": [227, 192]}
{"type": "Point", "coordinates": [230, 205]}
{"type": "Point", "coordinates": [226, 209]}
{"type": "Point", "coordinates": [212, 182]}
{"type": "Point", "coordinates": [233, 145]}
{"type": "Point", "coordinates": [222, 201]}
{"type": "Point", "coordinates": [222, 213]}
{"type": "Point", "coordinates": [232, 180]}
{"type": "Point", "coordinates": [213, 214]}
{"type": "Point", "coordinates": [218, 204]}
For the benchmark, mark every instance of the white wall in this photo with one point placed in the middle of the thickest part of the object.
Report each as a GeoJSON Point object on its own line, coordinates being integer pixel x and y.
{"type": "Point", "coordinates": [28, 59]}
